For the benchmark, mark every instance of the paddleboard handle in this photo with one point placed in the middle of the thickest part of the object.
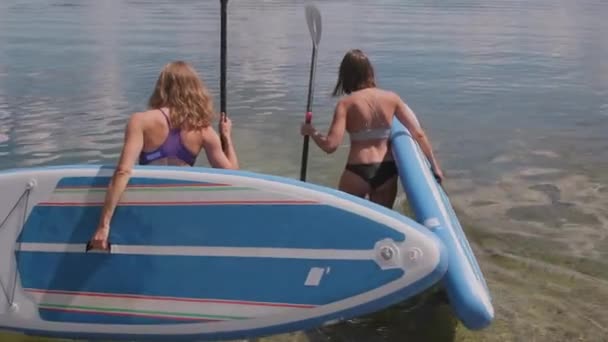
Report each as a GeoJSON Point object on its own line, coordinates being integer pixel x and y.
{"type": "Point", "coordinates": [90, 249]}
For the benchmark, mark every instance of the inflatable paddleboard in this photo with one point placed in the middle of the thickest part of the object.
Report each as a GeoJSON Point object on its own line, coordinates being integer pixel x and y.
{"type": "Point", "coordinates": [199, 253]}
{"type": "Point", "coordinates": [465, 285]}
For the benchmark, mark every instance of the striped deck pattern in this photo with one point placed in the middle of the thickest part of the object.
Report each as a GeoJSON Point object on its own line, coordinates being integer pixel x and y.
{"type": "Point", "coordinates": [171, 309]}
{"type": "Point", "coordinates": [162, 224]}
{"type": "Point", "coordinates": [87, 191]}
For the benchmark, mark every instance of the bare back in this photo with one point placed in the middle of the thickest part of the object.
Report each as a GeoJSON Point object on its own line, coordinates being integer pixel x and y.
{"type": "Point", "coordinates": [369, 115]}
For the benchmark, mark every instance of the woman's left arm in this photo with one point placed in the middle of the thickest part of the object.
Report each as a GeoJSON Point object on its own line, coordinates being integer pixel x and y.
{"type": "Point", "coordinates": [329, 143]}
{"type": "Point", "coordinates": [133, 144]}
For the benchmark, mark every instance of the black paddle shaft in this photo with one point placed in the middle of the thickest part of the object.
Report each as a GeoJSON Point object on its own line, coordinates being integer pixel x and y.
{"type": "Point", "coordinates": [308, 111]}
{"type": "Point", "coordinates": [223, 26]}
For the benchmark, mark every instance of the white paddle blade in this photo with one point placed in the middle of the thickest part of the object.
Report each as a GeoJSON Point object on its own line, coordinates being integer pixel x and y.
{"type": "Point", "coordinates": [313, 19]}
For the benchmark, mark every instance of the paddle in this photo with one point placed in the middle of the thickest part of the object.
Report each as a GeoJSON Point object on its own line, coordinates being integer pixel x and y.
{"type": "Point", "coordinates": [313, 19]}
{"type": "Point", "coordinates": [224, 5]}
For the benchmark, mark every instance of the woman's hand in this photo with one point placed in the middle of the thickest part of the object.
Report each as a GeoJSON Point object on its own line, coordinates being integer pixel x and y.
{"type": "Point", "coordinates": [219, 147]}
{"type": "Point", "coordinates": [438, 174]}
{"type": "Point", "coordinates": [225, 126]}
{"type": "Point", "coordinates": [132, 147]}
{"type": "Point", "coordinates": [307, 129]}
{"type": "Point", "coordinates": [330, 142]}
{"type": "Point", "coordinates": [99, 241]}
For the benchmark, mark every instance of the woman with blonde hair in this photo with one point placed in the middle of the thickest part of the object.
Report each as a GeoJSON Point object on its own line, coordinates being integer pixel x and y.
{"type": "Point", "coordinates": [173, 131]}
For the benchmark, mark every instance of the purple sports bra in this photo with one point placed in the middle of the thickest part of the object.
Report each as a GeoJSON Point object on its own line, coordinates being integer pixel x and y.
{"type": "Point", "coordinates": [171, 147]}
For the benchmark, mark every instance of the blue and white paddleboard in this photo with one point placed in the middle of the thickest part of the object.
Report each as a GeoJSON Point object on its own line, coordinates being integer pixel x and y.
{"type": "Point", "coordinates": [465, 285]}
{"type": "Point", "coordinates": [199, 253]}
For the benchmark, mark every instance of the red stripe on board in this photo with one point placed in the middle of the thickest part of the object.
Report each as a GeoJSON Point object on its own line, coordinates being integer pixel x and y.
{"type": "Point", "coordinates": [143, 186]}
{"type": "Point", "coordinates": [127, 314]}
{"type": "Point", "coordinates": [176, 299]}
{"type": "Point", "coordinates": [82, 204]}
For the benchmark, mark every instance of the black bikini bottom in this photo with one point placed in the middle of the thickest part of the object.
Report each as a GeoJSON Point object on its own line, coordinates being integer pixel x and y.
{"type": "Point", "coordinates": [375, 174]}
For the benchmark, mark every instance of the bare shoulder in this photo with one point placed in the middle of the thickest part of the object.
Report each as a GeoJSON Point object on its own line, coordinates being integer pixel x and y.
{"type": "Point", "coordinates": [142, 116]}
{"type": "Point", "coordinates": [137, 119]}
{"type": "Point", "coordinates": [144, 119]}
{"type": "Point", "coordinates": [207, 129]}
{"type": "Point", "coordinates": [345, 100]}
{"type": "Point", "coordinates": [391, 96]}
{"type": "Point", "coordinates": [344, 103]}
{"type": "Point", "coordinates": [208, 134]}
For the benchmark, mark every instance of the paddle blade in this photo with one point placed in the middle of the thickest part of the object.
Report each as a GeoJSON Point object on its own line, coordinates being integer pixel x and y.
{"type": "Point", "coordinates": [313, 19]}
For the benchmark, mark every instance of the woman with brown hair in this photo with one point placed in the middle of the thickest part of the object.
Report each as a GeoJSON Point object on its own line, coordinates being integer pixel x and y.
{"type": "Point", "coordinates": [366, 114]}
{"type": "Point", "coordinates": [172, 132]}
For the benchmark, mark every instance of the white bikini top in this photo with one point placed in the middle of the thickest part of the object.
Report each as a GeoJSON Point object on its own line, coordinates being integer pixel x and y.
{"type": "Point", "coordinates": [369, 133]}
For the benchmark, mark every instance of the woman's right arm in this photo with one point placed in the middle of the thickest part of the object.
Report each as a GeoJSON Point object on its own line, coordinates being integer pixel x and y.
{"type": "Point", "coordinates": [218, 157]}
{"type": "Point", "coordinates": [133, 144]}
{"type": "Point", "coordinates": [409, 120]}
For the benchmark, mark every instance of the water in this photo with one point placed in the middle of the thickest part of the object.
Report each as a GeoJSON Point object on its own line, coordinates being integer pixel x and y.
{"type": "Point", "coordinates": [514, 96]}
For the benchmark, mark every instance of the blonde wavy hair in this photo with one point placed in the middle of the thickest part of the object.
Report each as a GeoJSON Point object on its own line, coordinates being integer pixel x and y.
{"type": "Point", "coordinates": [180, 89]}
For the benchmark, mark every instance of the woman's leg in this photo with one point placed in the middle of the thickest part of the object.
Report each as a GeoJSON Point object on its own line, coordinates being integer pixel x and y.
{"type": "Point", "coordinates": [353, 184]}
{"type": "Point", "coordinates": [385, 194]}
